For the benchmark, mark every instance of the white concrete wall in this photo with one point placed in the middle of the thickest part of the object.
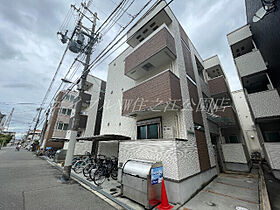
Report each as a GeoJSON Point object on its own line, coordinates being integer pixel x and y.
{"type": "Point", "coordinates": [112, 120]}
{"type": "Point", "coordinates": [234, 153]}
{"type": "Point", "coordinates": [246, 122]}
{"type": "Point", "coordinates": [91, 110]}
{"type": "Point", "coordinates": [108, 148]}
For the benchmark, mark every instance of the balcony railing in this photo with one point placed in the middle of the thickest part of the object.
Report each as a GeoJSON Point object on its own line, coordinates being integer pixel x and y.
{"type": "Point", "coordinates": [224, 117]}
{"type": "Point", "coordinates": [250, 63]}
{"type": "Point", "coordinates": [154, 52]}
{"type": "Point", "coordinates": [265, 104]}
{"type": "Point", "coordinates": [160, 93]}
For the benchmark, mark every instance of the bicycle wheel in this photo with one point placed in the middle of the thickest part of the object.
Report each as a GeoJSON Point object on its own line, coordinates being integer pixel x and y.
{"type": "Point", "coordinates": [87, 169]}
{"type": "Point", "coordinates": [114, 173]}
{"type": "Point", "coordinates": [99, 176]}
{"type": "Point", "coordinates": [79, 165]}
{"type": "Point", "coordinates": [91, 173]}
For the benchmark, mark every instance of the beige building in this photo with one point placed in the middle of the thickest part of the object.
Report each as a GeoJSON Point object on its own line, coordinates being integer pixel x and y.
{"type": "Point", "coordinates": [59, 120]}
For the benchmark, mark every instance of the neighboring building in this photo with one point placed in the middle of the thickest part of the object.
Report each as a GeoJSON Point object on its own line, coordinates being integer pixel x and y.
{"type": "Point", "coordinates": [154, 89]}
{"type": "Point", "coordinates": [59, 120]}
{"type": "Point", "coordinates": [247, 124]}
{"type": "Point", "coordinates": [255, 48]}
{"type": "Point", "coordinates": [91, 114]}
{"type": "Point", "coordinates": [37, 135]}
{"type": "Point", "coordinates": [2, 121]}
{"type": "Point", "coordinates": [231, 144]}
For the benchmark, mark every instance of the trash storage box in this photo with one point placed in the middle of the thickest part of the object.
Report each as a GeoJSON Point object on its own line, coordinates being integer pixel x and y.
{"type": "Point", "coordinates": [60, 155]}
{"type": "Point", "coordinates": [141, 182]}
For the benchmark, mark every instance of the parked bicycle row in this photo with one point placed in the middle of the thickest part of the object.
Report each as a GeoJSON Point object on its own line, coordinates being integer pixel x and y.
{"type": "Point", "coordinates": [96, 169]}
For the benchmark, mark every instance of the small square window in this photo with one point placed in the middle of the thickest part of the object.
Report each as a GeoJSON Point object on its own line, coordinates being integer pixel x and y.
{"type": "Point", "coordinates": [145, 31]}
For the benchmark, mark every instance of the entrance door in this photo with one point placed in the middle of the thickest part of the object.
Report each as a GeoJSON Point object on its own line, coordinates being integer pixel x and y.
{"type": "Point", "coordinates": [217, 148]}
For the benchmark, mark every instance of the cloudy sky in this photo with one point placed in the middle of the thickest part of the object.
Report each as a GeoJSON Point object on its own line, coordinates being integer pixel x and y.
{"type": "Point", "coordinates": [30, 49]}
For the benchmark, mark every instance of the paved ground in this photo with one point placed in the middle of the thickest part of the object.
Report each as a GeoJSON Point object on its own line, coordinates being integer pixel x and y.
{"type": "Point", "coordinates": [227, 192]}
{"type": "Point", "coordinates": [273, 187]}
{"type": "Point", "coordinates": [27, 182]}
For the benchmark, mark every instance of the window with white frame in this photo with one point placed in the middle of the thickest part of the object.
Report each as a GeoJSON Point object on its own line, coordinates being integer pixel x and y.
{"type": "Point", "coordinates": [61, 126]}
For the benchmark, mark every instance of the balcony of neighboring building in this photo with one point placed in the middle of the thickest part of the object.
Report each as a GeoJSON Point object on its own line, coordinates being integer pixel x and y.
{"type": "Point", "coordinates": [263, 99]}
{"type": "Point", "coordinates": [159, 93]}
{"type": "Point", "coordinates": [250, 63]}
{"type": "Point", "coordinates": [85, 98]}
{"type": "Point", "coordinates": [82, 121]}
{"type": "Point", "coordinates": [156, 51]}
{"type": "Point", "coordinates": [241, 41]}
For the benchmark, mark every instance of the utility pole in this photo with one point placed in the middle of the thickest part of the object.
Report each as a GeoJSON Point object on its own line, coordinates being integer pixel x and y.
{"type": "Point", "coordinates": [37, 122]}
{"type": "Point", "coordinates": [44, 128]}
{"type": "Point", "coordinates": [7, 123]}
{"type": "Point", "coordinates": [78, 106]}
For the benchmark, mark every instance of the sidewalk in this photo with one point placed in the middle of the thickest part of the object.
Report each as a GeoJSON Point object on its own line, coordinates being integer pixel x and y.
{"type": "Point", "coordinates": [227, 191]}
{"type": "Point", "coordinates": [109, 191]}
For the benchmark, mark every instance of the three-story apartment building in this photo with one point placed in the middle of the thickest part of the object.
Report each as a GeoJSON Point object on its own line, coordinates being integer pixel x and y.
{"type": "Point", "coordinates": [153, 95]}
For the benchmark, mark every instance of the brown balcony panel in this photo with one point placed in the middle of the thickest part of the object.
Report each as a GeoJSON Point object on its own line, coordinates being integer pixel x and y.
{"type": "Point", "coordinates": [227, 116]}
{"type": "Point", "coordinates": [154, 93]}
{"type": "Point", "coordinates": [218, 86]}
{"type": "Point", "coordinates": [156, 51]}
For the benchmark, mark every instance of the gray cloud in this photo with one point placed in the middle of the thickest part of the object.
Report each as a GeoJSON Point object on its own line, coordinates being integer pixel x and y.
{"type": "Point", "coordinates": [30, 50]}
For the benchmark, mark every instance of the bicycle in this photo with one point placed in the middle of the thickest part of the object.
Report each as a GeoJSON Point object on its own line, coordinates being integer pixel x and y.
{"type": "Point", "coordinates": [107, 168]}
{"type": "Point", "coordinates": [80, 164]}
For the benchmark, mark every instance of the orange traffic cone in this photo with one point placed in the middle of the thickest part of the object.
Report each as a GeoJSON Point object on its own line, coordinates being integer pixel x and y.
{"type": "Point", "coordinates": [164, 200]}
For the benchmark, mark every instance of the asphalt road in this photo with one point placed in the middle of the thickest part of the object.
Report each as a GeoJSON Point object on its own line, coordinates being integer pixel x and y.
{"type": "Point", "coordinates": [28, 182]}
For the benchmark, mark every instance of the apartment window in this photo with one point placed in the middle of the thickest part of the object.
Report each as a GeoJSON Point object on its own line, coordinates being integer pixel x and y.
{"type": "Point", "coordinates": [149, 129]}
{"type": "Point", "coordinates": [200, 68]}
{"type": "Point", "coordinates": [272, 136]}
{"type": "Point", "coordinates": [65, 126]}
{"type": "Point", "coordinates": [61, 126]}
{"type": "Point", "coordinates": [65, 111]}
{"type": "Point", "coordinates": [232, 140]}
{"type": "Point", "coordinates": [66, 97]}
{"type": "Point", "coordinates": [72, 98]}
